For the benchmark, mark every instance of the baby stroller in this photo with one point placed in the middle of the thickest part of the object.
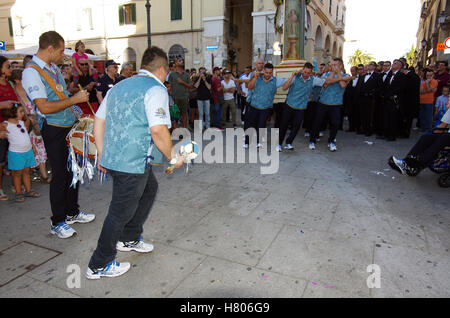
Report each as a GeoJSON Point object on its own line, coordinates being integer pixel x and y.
{"type": "Point", "coordinates": [442, 166]}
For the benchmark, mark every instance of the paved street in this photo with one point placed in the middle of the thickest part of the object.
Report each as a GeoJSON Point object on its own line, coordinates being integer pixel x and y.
{"type": "Point", "coordinates": [225, 230]}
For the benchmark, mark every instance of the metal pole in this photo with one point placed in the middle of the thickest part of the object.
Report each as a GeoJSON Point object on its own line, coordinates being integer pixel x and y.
{"type": "Point", "coordinates": [149, 37]}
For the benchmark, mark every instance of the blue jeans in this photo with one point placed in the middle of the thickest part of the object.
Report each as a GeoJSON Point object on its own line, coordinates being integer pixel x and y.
{"type": "Point", "coordinates": [203, 108]}
{"type": "Point", "coordinates": [426, 117]}
{"type": "Point", "coordinates": [132, 199]}
{"type": "Point", "coordinates": [217, 114]}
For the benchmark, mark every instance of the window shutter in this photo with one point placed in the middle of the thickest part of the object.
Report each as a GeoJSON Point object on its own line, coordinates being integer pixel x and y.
{"type": "Point", "coordinates": [121, 15]}
{"type": "Point", "coordinates": [133, 13]}
{"type": "Point", "coordinates": [11, 32]}
{"type": "Point", "coordinates": [175, 9]}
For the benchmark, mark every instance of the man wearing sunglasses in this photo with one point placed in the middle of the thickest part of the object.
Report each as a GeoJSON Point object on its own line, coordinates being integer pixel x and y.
{"type": "Point", "coordinates": [87, 82]}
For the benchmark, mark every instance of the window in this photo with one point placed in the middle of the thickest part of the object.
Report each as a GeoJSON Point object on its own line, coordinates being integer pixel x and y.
{"type": "Point", "coordinates": [331, 5]}
{"type": "Point", "coordinates": [84, 19]}
{"type": "Point", "coordinates": [337, 13]}
{"type": "Point", "coordinates": [175, 10]}
{"type": "Point", "coordinates": [127, 14]}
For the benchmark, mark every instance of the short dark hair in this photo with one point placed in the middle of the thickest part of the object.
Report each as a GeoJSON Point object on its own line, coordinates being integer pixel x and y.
{"type": "Point", "coordinates": [445, 63]}
{"type": "Point", "coordinates": [50, 38]}
{"type": "Point", "coordinates": [308, 65]}
{"type": "Point", "coordinates": [446, 86]}
{"type": "Point", "coordinates": [154, 58]}
{"type": "Point", "coordinates": [11, 112]}
{"type": "Point", "coordinates": [269, 66]}
{"type": "Point", "coordinates": [337, 59]}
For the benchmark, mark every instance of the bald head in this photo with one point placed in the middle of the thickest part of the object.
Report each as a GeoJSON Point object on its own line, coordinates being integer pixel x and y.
{"type": "Point", "coordinates": [259, 65]}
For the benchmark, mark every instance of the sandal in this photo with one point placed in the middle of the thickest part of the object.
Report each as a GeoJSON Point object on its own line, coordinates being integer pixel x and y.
{"type": "Point", "coordinates": [32, 194]}
{"type": "Point", "coordinates": [3, 196]}
{"type": "Point", "coordinates": [19, 198]}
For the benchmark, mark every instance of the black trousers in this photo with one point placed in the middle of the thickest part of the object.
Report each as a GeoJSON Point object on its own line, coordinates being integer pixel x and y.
{"type": "Point", "coordinates": [310, 115]}
{"type": "Point", "coordinates": [243, 106]}
{"type": "Point", "coordinates": [428, 147]}
{"type": "Point", "coordinates": [290, 116]}
{"type": "Point", "coordinates": [132, 199]}
{"type": "Point", "coordinates": [366, 113]}
{"type": "Point", "coordinates": [63, 197]}
{"type": "Point", "coordinates": [255, 118]}
{"type": "Point", "coordinates": [390, 119]}
{"type": "Point", "coordinates": [334, 113]}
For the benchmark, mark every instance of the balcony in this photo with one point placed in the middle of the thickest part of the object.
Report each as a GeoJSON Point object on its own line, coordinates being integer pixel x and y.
{"type": "Point", "coordinates": [339, 27]}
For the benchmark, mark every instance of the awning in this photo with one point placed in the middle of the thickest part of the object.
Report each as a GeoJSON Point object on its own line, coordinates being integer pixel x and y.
{"type": "Point", "coordinates": [21, 53]}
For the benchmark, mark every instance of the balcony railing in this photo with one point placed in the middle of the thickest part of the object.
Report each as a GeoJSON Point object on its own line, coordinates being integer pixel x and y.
{"type": "Point", "coordinates": [339, 27]}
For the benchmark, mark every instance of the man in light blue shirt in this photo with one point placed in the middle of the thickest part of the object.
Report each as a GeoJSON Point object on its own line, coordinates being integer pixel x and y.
{"type": "Point", "coordinates": [330, 102]}
{"type": "Point", "coordinates": [263, 87]}
{"type": "Point", "coordinates": [300, 87]}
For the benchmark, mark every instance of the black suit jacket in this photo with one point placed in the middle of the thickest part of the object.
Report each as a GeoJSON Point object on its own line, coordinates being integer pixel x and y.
{"type": "Point", "coordinates": [372, 86]}
{"type": "Point", "coordinates": [396, 87]}
{"type": "Point", "coordinates": [412, 88]}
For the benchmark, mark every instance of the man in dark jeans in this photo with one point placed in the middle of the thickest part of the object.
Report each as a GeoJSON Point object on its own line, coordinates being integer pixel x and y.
{"type": "Point", "coordinates": [424, 151]}
{"type": "Point", "coordinates": [57, 123]}
{"type": "Point", "coordinates": [127, 143]}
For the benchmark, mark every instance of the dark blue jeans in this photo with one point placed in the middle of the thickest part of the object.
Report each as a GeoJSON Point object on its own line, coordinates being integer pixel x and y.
{"type": "Point", "coordinates": [132, 199]}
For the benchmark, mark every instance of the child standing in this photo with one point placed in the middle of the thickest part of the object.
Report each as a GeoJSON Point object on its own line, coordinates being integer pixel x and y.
{"type": "Point", "coordinates": [20, 152]}
{"type": "Point", "coordinates": [442, 105]}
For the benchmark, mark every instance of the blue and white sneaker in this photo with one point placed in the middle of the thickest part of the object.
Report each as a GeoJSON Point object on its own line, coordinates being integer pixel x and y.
{"type": "Point", "coordinates": [139, 246]}
{"type": "Point", "coordinates": [113, 269]}
{"type": "Point", "coordinates": [312, 145]}
{"type": "Point", "coordinates": [398, 165]}
{"type": "Point", "coordinates": [332, 146]}
{"type": "Point", "coordinates": [278, 148]}
{"type": "Point", "coordinates": [62, 230]}
{"type": "Point", "coordinates": [289, 147]}
{"type": "Point", "coordinates": [81, 217]}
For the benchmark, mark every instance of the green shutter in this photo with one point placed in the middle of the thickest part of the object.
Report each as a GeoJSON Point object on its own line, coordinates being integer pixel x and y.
{"type": "Point", "coordinates": [11, 32]}
{"type": "Point", "coordinates": [133, 13]}
{"type": "Point", "coordinates": [121, 16]}
{"type": "Point", "coordinates": [175, 9]}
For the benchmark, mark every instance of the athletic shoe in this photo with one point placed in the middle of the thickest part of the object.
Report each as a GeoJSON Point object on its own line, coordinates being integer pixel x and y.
{"type": "Point", "coordinates": [307, 134]}
{"type": "Point", "coordinates": [245, 146]}
{"type": "Point", "coordinates": [278, 148]}
{"type": "Point", "coordinates": [62, 230]}
{"type": "Point", "coordinates": [139, 246]}
{"type": "Point", "coordinates": [81, 217]}
{"type": "Point", "coordinates": [259, 145]}
{"type": "Point", "coordinates": [321, 134]}
{"type": "Point", "coordinates": [332, 146]}
{"type": "Point", "coordinates": [398, 165]}
{"type": "Point", "coordinates": [3, 196]}
{"type": "Point", "coordinates": [113, 269]}
{"type": "Point", "coordinates": [289, 147]}
{"type": "Point", "coordinates": [312, 146]}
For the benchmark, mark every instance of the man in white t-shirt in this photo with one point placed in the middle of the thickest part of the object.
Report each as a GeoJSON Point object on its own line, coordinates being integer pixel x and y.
{"type": "Point", "coordinates": [229, 87]}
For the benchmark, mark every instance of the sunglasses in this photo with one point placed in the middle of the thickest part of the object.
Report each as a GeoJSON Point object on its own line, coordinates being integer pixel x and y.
{"type": "Point", "coordinates": [20, 127]}
{"type": "Point", "coordinates": [84, 64]}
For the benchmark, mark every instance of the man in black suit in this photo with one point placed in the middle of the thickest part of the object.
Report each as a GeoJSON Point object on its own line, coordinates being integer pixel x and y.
{"type": "Point", "coordinates": [412, 101]}
{"type": "Point", "coordinates": [350, 100]}
{"type": "Point", "coordinates": [356, 110]}
{"type": "Point", "coordinates": [394, 94]}
{"type": "Point", "coordinates": [369, 87]}
{"type": "Point", "coordinates": [381, 101]}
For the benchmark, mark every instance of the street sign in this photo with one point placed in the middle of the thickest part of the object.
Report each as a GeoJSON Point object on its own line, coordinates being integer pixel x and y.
{"type": "Point", "coordinates": [212, 47]}
{"type": "Point", "coordinates": [2, 45]}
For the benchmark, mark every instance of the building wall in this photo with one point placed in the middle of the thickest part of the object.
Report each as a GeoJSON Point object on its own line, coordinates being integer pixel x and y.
{"type": "Point", "coordinates": [431, 31]}
{"type": "Point", "coordinates": [203, 27]}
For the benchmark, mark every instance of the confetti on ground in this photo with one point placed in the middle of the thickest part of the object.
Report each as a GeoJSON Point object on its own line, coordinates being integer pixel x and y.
{"type": "Point", "coordinates": [314, 283]}
{"type": "Point", "coordinates": [370, 143]}
{"type": "Point", "coordinates": [328, 286]}
{"type": "Point", "coordinates": [264, 276]}
{"type": "Point", "coordinates": [379, 173]}
{"type": "Point", "coordinates": [301, 231]}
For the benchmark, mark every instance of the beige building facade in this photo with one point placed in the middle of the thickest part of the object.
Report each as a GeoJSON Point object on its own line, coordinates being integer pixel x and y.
{"type": "Point", "coordinates": [225, 33]}
{"type": "Point", "coordinates": [434, 28]}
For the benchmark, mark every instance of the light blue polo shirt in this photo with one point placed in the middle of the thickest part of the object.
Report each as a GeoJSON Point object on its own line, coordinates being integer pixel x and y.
{"type": "Point", "coordinates": [263, 93]}
{"type": "Point", "coordinates": [299, 92]}
{"type": "Point", "coordinates": [333, 94]}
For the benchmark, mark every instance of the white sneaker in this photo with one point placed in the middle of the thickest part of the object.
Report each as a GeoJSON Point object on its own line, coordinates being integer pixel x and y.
{"type": "Point", "coordinates": [278, 148]}
{"type": "Point", "coordinates": [259, 145]}
{"type": "Point", "coordinates": [113, 269]}
{"type": "Point", "coordinates": [289, 147]}
{"type": "Point", "coordinates": [245, 146]}
{"type": "Point", "coordinates": [81, 217]}
{"type": "Point", "coordinates": [139, 246]}
{"type": "Point", "coordinates": [332, 147]}
{"type": "Point", "coordinates": [307, 134]}
{"type": "Point", "coordinates": [312, 146]}
{"type": "Point", "coordinates": [62, 230]}
{"type": "Point", "coordinates": [321, 134]}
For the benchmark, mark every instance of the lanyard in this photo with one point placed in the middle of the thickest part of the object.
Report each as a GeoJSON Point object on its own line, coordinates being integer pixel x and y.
{"type": "Point", "coordinates": [52, 74]}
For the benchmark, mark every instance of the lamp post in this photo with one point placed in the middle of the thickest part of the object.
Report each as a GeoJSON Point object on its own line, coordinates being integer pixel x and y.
{"type": "Point", "coordinates": [149, 36]}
